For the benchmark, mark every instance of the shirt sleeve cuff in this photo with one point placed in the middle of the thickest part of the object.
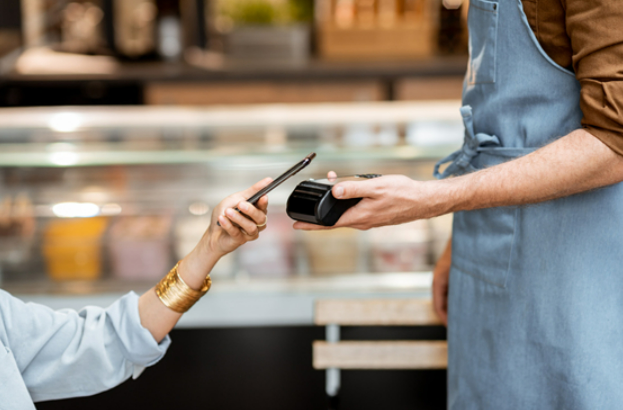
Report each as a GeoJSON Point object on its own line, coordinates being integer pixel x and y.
{"type": "Point", "coordinates": [139, 346]}
{"type": "Point", "coordinates": [613, 140]}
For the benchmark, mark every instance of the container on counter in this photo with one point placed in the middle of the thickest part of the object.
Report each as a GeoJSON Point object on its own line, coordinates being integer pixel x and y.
{"type": "Point", "coordinates": [434, 133]}
{"type": "Point", "coordinates": [359, 135]}
{"type": "Point", "coordinates": [140, 247]}
{"type": "Point", "coordinates": [400, 248]}
{"type": "Point", "coordinates": [272, 254]}
{"type": "Point", "coordinates": [135, 27]}
{"type": "Point", "coordinates": [72, 248]}
{"type": "Point", "coordinates": [288, 44]}
{"type": "Point", "coordinates": [332, 251]}
{"type": "Point", "coordinates": [376, 30]}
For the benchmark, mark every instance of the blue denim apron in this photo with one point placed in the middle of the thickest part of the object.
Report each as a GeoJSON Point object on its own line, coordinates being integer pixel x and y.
{"type": "Point", "coordinates": [536, 293]}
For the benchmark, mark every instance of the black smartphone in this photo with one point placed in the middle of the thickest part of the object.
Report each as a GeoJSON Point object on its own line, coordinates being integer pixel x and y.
{"type": "Point", "coordinates": [279, 180]}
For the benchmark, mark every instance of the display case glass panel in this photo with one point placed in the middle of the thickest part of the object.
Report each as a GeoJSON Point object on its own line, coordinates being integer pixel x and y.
{"type": "Point", "coordinates": [101, 198]}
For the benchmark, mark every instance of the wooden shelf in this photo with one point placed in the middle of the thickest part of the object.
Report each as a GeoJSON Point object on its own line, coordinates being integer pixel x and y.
{"type": "Point", "coordinates": [146, 72]}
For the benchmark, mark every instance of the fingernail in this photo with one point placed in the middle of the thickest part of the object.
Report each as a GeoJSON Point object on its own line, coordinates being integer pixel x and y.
{"type": "Point", "coordinates": [339, 191]}
{"type": "Point", "coordinates": [230, 212]}
{"type": "Point", "coordinates": [243, 206]}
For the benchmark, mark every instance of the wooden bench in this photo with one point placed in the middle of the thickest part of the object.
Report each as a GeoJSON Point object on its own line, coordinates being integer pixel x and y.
{"type": "Point", "coordinates": [332, 355]}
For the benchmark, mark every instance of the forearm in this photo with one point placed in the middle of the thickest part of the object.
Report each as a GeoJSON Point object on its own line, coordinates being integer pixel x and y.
{"type": "Point", "coordinates": [215, 243]}
{"type": "Point", "coordinates": [575, 163]}
{"type": "Point", "coordinates": [155, 316]}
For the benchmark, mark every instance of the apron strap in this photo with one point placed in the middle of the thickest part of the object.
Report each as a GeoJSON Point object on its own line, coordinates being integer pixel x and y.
{"type": "Point", "coordinates": [473, 144]}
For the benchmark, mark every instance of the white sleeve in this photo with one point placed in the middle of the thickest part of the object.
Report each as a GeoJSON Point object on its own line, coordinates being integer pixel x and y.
{"type": "Point", "coordinates": [66, 353]}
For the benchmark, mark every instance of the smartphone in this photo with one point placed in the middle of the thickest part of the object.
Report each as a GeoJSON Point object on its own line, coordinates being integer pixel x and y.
{"type": "Point", "coordinates": [279, 180]}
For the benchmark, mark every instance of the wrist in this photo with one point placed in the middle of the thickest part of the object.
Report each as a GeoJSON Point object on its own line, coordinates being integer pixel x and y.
{"type": "Point", "coordinates": [435, 198]}
{"type": "Point", "coordinates": [195, 267]}
{"type": "Point", "coordinates": [450, 195]}
{"type": "Point", "coordinates": [176, 294]}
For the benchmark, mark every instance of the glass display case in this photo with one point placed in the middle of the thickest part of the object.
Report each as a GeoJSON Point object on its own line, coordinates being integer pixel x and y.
{"type": "Point", "coordinates": [100, 200]}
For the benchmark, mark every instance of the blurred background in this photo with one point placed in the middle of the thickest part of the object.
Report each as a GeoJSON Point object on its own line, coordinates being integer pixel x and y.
{"type": "Point", "coordinates": [124, 122]}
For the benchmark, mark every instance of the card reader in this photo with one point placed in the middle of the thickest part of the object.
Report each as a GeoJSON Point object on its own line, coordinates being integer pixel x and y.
{"type": "Point", "coordinates": [313, 202]}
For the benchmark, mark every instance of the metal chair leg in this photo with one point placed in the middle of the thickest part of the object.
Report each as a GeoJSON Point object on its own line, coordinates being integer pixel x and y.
{"type": "Point", "coordinates": [333, 382]}
{"type": "Point", "coordinates": [333, 374]}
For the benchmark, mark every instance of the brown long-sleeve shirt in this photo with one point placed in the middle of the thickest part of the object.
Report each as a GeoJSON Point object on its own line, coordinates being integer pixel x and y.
{"type": "Point", "coordinates": [587, 37]}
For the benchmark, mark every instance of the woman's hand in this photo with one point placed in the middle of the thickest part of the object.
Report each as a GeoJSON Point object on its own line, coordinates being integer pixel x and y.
{"type": "Point", "coordinates": [236, 229]}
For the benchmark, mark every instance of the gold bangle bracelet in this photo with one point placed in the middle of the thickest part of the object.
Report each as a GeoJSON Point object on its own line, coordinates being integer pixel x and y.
{"type": "Point", "coordinates": [176, 294]}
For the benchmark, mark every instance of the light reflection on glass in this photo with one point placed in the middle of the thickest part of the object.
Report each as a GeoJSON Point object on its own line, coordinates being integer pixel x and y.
{"type": "Point", "coordinates": [63, 158]}
{"type": "Point", "coordinates": [62, 153]}
{"type": "Point", "coordinates": [110, 209]}
{"type": "Point", "coordinates": [75, 210]}
{"type": "Point", "coordinates": [65, 122]}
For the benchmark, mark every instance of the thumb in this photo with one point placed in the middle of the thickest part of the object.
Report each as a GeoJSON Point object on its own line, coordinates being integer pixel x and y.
{"type": "Point", "coordinates": [249, 192]}
{"type": "Point", "coordinates": [352, 189]}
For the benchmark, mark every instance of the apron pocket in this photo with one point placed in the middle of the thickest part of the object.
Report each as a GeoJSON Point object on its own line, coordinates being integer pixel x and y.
{"type": "Point", "coordinates": [482, 243]}
{"type": "Point", "coordinates": [483, 31]}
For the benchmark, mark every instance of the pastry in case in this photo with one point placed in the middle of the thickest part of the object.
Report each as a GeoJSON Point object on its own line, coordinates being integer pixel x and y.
{"type": "Point", "coordinates": [272, 254]}
{"type": "Point", "coordinates": [17, 229]}
{"type": "Point", "coordinates": [400, 248]}
{"type": "Point", "coordinates": [334, 251]}
{"type": "Point", "coordinates": [140, 247]}
{"type": "Point", "coordinates": [72, 248]}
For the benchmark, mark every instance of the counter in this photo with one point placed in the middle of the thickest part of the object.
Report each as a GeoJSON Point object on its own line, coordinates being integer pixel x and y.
{"type": "Point", "coordinates": [253, 302]}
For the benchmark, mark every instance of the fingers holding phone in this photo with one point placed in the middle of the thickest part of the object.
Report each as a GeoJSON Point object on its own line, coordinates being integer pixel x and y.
{"type": "Point", "coordinates": [242, 216]}
{"type": "Point", "coordinates": [235, 229]}
{"type": "Point", "coordinates": [256, 214]}
{"type": "Point", "coordinates": [249, 219]}
{"type": "Point", "coordinates": [235, 221]}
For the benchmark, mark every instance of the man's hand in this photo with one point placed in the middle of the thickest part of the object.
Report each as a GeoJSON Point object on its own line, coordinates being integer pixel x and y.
{"type": "Point", "coordinates": [441, 279]}
{"type": "Point", "coordinates": [387, 200]}
{"type": "Point", "coordinates": [575, 163]}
